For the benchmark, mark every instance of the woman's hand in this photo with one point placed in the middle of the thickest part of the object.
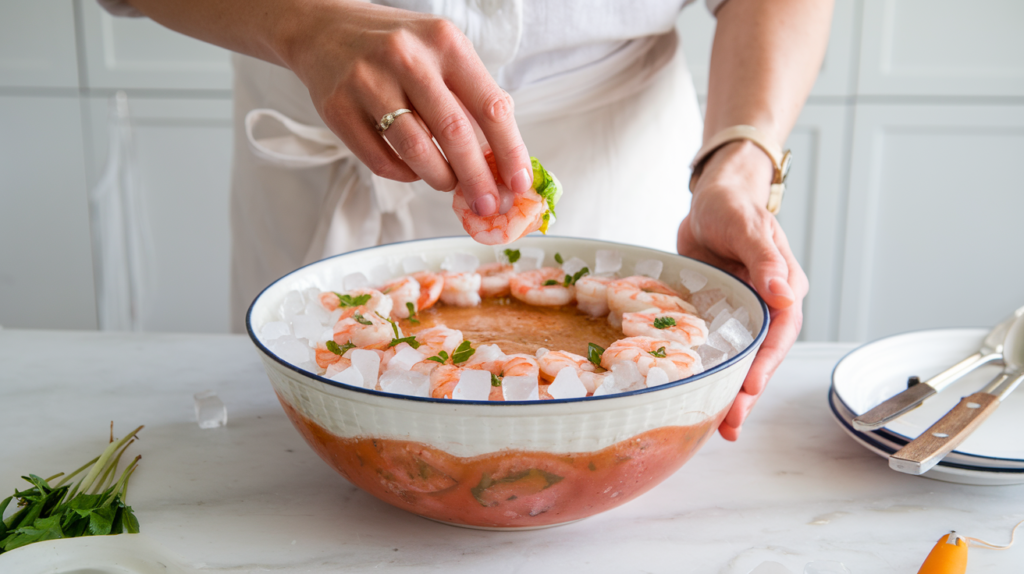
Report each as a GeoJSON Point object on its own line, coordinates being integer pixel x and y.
{"type": "Point", "coordinates": [361, 61]}
{"type": "Point", "coordinates": [729, 227]}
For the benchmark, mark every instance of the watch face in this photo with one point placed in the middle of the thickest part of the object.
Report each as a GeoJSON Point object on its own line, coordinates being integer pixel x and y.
{"type": "Point", "coordinates": [787, 161]}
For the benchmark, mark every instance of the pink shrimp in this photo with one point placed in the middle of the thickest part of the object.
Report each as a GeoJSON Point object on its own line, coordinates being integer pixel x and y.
{"type": "Point", "coordinates": [542, 287]}
{"type": "Point", "coordinates": [378, 302]}
{"type": "Point", "coordinates": [494, 279]}
{"type": "Point", "coordinates": [438, 338]}
{"type": "Point", "coordinates": [461, 289]}
{"type": "Point", "coordinates": [402, 291]}
{"type": "Point", "coordinates": [431, 285]}
{"type": "Point", "coordinates": [530, 211]}
{"type": "Point", "coordinates": [688, 330]}
{"type": "Point", "coordinates": [639, 293]}
{"type": "Point", "coordinates": [676, 360]}
{"type": "Point", "coordinates": [336, 367]}
{"type": "Point", "coordinates": [552, 362]}
{"type": "Point", "coordinates": [592, 295]}
{"type": "Point", "coordinates": [364, 331]}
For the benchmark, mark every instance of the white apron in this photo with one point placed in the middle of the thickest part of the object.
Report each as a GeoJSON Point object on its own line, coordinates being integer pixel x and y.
{"type": "Point", "coordinates": [618, 134]}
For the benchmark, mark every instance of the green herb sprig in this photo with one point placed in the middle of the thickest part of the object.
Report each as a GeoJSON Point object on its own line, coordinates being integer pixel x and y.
{"type": "Point", "coordinates": [410, 340]}
{"type": "Point", "coordinates": [572, 279]}
{"type": "Point", "coordinates": [660, 353]}
{"type": "Point", "coordinates": [361, 320]}
{"type": "Point", "coordinates": [512, 254]}
{"type": "Point", "coordinates": [664, 322]}
{"type": "Point", "coordinates": [558, 258]}
{"type": "Point", "coordinates": [412, 313]}
{"type": "Point", "coordinates": [350, 301]}
{"type": "Point", "coordinates": [495, 381]}
{"type": "Point", "coordinates": [339, 350]}
{"type": "Point", "coordinates": [594, 353]}
{"type": "Point", "coordinates": [461, 354]}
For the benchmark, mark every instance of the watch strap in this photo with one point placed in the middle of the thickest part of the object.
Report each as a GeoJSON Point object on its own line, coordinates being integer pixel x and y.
{"type": "Point", "coordinates": [780, 160]}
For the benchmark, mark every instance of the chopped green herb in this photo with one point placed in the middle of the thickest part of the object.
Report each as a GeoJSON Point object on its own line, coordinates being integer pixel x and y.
{"type": "Point", "coordinates": [394, 326]}
{"type": "Point", "coordinates": [512, 254]}
{"type": "Point", "coordinates": [594, 353]}
{"type": "Point", "coordinates": [660, 353]}
{"type": "Point", "coordinates": [334, 348]}
{"type": "Point", "coordinates": [362, 320]}
{"type": "Point", "coordinates": [350, 301]}
{"type": "Point", "coordinates": [411, 341]}
{"type": "Point", "coordinates": [551, 282]}
{"type": "Point", "coordinates": [462, 353]}
{"type": "Point", "coordinates": [572, 279]}
{"type": "Point", "coordinates": [558, 258]}
{"type": "Point", "coordinates": [544, 185]}
{"type": "Point", "coordinates": [664, 322]}
{"type": "Point", "coordinates": [412, 313]}
{"type": "Point", "coordinates": [441, 357]}
{"type": "Point", "coordinates": [495, 381]}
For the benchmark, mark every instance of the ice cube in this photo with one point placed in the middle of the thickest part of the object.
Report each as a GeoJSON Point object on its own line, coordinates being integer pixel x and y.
{"type": "Point", "coordinates": [692, 280]}
{"type": "Point", "coordinates": [368, 363]}
{"type": "Point", "coordinates": [533, 253]}
{"type": "Point", "coordinates": [526, 264]}
{"type": "Point", "coordinates": [717, 308]}
{"type": "Point", "coordinates": [275, 329]}
{"type": "Point", "coordinates": [379, 275]}
{"type": "Point", "coordinates": [293, 304]}
{"type": "Point", "coordinates": [607, 261]}
{"type": "Point", "coordinates": [291, 350]}
{"type": "Point", "coordinates": [460, 263]}
{"type": "Point", "coordinates": [826, 567]}
{"type": "Point", "coordinates": [627, 376]}
{"type": "Point", "coordinates": [306, 327]}
{"type": "Point", "coordinates": [404, 359]}
{"type": "Point", "coordinates": [705, 299]}
{"type": "Point", "coordinates": [413, 264]}
{"type": "Point", "coordinates": [210, 410]}
{"type": "Point", "coordinates": [710, 356]}
{"type": "Point", "coordinates": [474, 385]}
{"type": "Point", "coordinates": [648, 268]}
{"type": "Point", "coordinates": [520, 388]}
{"type": "Point", "coordinates": [317, 311]}
{"type": "Point", "coordinates": [656, 376]}
{"type": "Point", "coordinates": [736, 334]}
{"type": "Point", "coordinates": [408, 383]}
{"type": "Point", "coordinates": [355, 281]}
{"type": "Point", "coordinates": [743, 316]}
{"type": "Point", "coordinates": [567, 385]}
{"type": "Point", "coordinates": [573, 265]}
{"type": "Point", "coordinates": [486, 354]}
{"type": "Point", "coordinates": [720, 320]}
{"type": "Point", "coordinates": [349, 376]}
{"type": "Point", "coordinates": [602, 390]}
{"type": "Point", "coordinates": [716, 340]}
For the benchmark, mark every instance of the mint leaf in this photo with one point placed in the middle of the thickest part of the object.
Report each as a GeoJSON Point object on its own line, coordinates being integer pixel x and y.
{"type": "Point", "coordinates": [660, 353]}
{"type": "Point", "coordinates": [512, 254]}
{"type": "Point", "coordinates": [551, 282]}
{"type": "Point", "coordinates": [495, 381]}
{"type": "Point", "coordinates": [594, 353]}
{"type": "Point", "coordinates": [362, 320]}
{"type": "Point", "coordinates": [350, 301]}
{"type": "Point", "coordinates": [462, 353]}
{"type": "Point", "coordinates": [411, 341]}
{"type": "Point", "coordinates": [664, 322]}
{"type": "Point", "coordinates": [412, 313]}
{"type": "Point", "coordinates": [441, 357]}
{"type": "Point", "coordinates": [558, 258]}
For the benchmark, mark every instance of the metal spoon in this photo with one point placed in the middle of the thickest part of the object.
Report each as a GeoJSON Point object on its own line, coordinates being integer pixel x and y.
{"type": "Point", "coordinates": [924, 452]}
{"type": "Point", "coordinates": [897, 405]}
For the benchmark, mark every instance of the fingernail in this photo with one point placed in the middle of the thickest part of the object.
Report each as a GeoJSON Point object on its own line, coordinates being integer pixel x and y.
{"type": "Point", "coordinates": [522, 181]}
{"type": "Point", "coordinates": [780, 288]}
{"type": "Point", "coordinates": [484, 206]}
{"type": "Point", "coordinates": [507, 198]}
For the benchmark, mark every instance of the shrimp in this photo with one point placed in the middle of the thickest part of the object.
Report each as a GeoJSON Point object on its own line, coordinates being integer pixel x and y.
{"type": "Point", "coordinates": [439, 338]}
{"type": "Point", "coordinates": [592, 295]}
{"type": "Point", "coordinates": [325, 358]}
{"type": "Point", "coordinates": [536, 287]}
{"type": "Point", "coordinates": [552, 362]}
{"type": "Point", "coordinates": [431, 285]}
{"type": "Point", "coordinates": [402, 291]}
{"type": "Point", "coordinates": [494, 279]}
{"type": "Point", "coordinates": [530, 211]}
{"type": "Point", "coordinates": [364, 331]}
{"type": "Point", "coordinates": [335, 367]}
{"type": "Point", "coordinates": [378, 302]}
{"type": "Point", "coordinates": [461, 289]}
{"type": "Point", "coordinates": [675, 359]}
{"type": "Point", "coordinates": [689, 330]}
{"type": "Point", "coordinates": [445, 378]}
{"type": "Point", "coordinates": [639, 293]}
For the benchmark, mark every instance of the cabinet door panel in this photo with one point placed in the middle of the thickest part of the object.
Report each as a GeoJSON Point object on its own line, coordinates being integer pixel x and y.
{"type": "Point", "coordinates": [942, 47]}
{"type": "Point", "coordinates": [933, 229]}
{"type": "Point", "coordinates": [183, 149]}
{"type": "Point", "coordinates": [124, 53]}
{"type": "Point", "coordinates": [46, 275]}
{"type": "Point", "coordinates": [37, 44]}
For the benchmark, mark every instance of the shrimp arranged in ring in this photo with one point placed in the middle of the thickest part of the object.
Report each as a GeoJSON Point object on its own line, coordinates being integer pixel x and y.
{"type": "Point", "coordinates": [639, 293]}
{"type": "Point", "coordinates": [689, 330]}
{"type": "Point", "coordinates": [461, 289]}
{"type": "Point", "coordinates": [436, 339]}
{"type": "Point", "coordinates": [402, 291]}
{"type": "Point", "coordinates": [377, 303]}
{"type": "Point", "coordinates": [552, 362]}
{"type": "Point", "coordinates": [647, 352]}
{"type": "Point", "coordinates": [543, 287]}
{"type": "Point", "coordinates": [494, 278]}
{"type": "Point", "coordinates": [592, 295]}
{"type": "Point", "coordinates": [364, 331]}
{"type": "Point", "coordinates": [530, 211]}
{"type": "Point", "coordinates": [431, 285]}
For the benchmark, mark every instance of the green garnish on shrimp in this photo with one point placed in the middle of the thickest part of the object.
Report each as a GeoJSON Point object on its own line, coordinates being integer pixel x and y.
{"type": "Point", "coordinates": [545, 186]}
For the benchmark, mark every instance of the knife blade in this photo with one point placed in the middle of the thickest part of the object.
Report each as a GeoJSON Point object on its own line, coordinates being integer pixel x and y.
{"type": "Point", "coordinates": [908, 400]}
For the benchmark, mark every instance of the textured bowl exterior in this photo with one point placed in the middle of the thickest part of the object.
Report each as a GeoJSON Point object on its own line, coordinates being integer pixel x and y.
{"type": "Point", "coordinates": [505, 465]}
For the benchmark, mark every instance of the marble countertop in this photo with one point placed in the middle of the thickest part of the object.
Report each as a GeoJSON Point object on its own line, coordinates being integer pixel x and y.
{"type": "Point", "coordinates": [253, 497]}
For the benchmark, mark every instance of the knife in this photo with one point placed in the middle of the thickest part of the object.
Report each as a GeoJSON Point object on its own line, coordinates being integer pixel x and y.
{"type": "Point", "coordinates": [897, 405]}
{"type": "Point", "coordinates": [924, 452]}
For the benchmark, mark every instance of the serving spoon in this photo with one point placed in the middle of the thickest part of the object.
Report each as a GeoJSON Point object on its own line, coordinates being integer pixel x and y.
{"type": "Point", "coordinates": [924, 452]}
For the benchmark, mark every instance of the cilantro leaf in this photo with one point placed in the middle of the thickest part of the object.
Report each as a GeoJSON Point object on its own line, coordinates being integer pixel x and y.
{"type": "Point", "coordinates": [572, 279]}
{"type": "Point", "coordinates": [362, 320]}
{"type": "Point", "coordinates": [512, 254]}
{"type": "Point", "coordinates": [594, 353]}
{"type": "Point", "coordinates": [545, 186]}
{"type": "Point", "coordinates": [440, 357]}
{"type": "Point", "coordinates": [551, 282]}
{"type": "Point", "coordinates": [462, 353]}
{"type": "Point", "coordinates": [350, 301]}
{"type": "Point", "coordinates": [334, 348]}
{"type": "Point", "coordinates": [410, 340]}
{"type": "Point", "coordinates": [660, 353]}
{"type": "Point", "coordinates": [412, 313]}
{"type": "Point", "coordinates": [664, 322]}
{"type": "Point", "coordinates": [558, 258]}
{"type": "Point", "coordinates": [495, 381]}
{"type": "Point", "coordinates": [394, 326]}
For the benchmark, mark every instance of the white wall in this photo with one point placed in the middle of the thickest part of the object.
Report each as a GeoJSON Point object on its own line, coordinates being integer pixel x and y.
{"type": "Point", "coordinates": [901, 205]}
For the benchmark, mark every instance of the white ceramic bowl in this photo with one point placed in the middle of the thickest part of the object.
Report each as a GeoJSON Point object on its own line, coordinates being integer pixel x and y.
{"type": "Point", "coordinates": [503, 465]}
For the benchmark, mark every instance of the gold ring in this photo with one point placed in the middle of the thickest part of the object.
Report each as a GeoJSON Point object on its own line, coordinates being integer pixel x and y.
{"type": "Point", "coordinates": [388, 119]}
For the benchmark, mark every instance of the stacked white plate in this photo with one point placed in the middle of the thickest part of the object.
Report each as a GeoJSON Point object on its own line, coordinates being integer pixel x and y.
{"type": "Point", "coordinates": [992, 455]}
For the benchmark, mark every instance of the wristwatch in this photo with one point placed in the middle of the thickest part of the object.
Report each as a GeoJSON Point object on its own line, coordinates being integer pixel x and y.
{"type": "Point", "coordinates": [780, 160]}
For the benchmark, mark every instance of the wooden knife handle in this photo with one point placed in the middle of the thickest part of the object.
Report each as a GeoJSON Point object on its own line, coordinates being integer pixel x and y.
{"type": "Point", "coordinates": [924, 452]}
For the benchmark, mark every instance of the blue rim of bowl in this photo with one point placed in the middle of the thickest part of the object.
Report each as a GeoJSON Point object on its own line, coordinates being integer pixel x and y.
{"type": "Point", "coordinates": [870, 438]}
{"type": "Point", "coordinates": [896, 437]}
{"type": "Point", "coordinates": [717, 368]}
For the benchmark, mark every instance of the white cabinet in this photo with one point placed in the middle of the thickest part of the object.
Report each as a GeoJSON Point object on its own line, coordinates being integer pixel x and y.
{"type": "Point", "coordinates": [183, 147]}
{"type": "Point", "coordinates": [934, 224]}
{"type": "Point", "coordinates": [46, 274]}
{"type": "Point", "coordinates": [37, 44]}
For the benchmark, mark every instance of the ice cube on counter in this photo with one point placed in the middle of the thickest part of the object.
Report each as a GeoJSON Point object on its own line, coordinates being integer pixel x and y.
{"type": "Point", "coordinates": [736, 334]}
{"type": "Point", "coordinates": [648, 268]}
{"type": "Point", "coordinates": [520, 388]}
{"type": "Point", "coordinates": [355, 281]}
{"type": "Point", "coordinates": [656, 376]}
{"type": "Point", "coordinates": [573, 265]}
{"type": "Point", "coordinates": [274, 330]}
{"type": "Point", "coordinates": [413, 264]}
{"type": "Point", "coordinates": [607, 261]}
{"type": "Point", "coordinates": [349, 376]}
{"type": "Point", "coordinates": [459, 262]}
{"type": "Point", "coordinates": [692, 280]}
{"type": "Point", "coordinates": [567, 385]}
{"type": "Point", "coordinates": [210, 410]}
{"type": "Point", "coordinates": [368, 364]}
{"type": "Point", "coordinates": [474, 385]}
